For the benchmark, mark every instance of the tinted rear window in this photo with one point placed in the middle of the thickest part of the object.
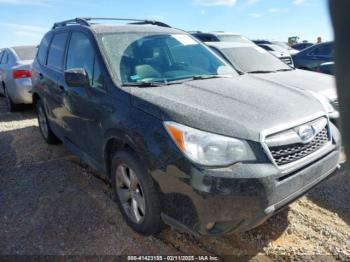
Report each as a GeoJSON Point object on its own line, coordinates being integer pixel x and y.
{"type": "Point", "coordinates": [25, 52]}
{"type": "Point", "coordinates": [56, 51]}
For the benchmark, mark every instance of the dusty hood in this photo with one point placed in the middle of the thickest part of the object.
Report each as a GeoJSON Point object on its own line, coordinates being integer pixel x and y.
{"type": "Point", "coordinates": [240, 107]}
{"type": "Point", "coordinates": [306, 80]}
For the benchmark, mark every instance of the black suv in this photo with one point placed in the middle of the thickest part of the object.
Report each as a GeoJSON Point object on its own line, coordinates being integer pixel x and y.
{"type": "Point", "coordinates": [183, 137]}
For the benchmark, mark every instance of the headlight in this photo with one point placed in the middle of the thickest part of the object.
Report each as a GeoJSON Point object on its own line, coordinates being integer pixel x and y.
{"type": "Point", "coordinates": [325, 102]}
{"type": "Point", "coordinates": [208, 149]}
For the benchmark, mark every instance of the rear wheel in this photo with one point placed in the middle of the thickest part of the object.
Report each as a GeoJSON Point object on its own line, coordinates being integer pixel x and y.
{"type": "Point", "coordinates": [136, 193]}
{"type": "Point", "coordinates": [44, 125]}
{"type": "Point", "coordinates": [11, 107]}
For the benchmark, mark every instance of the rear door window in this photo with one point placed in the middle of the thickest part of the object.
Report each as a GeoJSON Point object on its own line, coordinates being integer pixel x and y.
{"type": "Point", "coordinates": [44, 46]}
{"type": "Point", "coordinates": [56, 51]}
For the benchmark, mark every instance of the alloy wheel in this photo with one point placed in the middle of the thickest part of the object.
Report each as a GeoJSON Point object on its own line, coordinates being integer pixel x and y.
{"type": "Point", "coordinates": [130, 193]}
{"type": "Point", "coordinates": [43, 122]}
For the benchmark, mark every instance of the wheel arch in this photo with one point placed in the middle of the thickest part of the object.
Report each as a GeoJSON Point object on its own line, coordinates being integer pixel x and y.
{"type": "Point", "coordinates": [117, 141]}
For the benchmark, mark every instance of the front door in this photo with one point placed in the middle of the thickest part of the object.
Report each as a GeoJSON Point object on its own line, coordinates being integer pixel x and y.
{"type": "Point", "coordinates": [86, 104]}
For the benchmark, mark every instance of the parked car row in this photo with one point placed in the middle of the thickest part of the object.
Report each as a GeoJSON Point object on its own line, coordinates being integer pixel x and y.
{"type": "Point", "coordinates": [210, 138]}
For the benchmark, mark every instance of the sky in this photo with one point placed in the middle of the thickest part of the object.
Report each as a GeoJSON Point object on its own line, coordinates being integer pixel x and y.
{"type": "Point", "coordinates": [23, 22]}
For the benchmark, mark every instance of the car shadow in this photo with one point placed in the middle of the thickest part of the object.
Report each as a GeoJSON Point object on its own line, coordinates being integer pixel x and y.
{"type": "Point", "coordinates": [50, 204]}
{"type": "Point", "coordinates": [333, 194]}
{"type": "Point", "coordinates": [23, 112]}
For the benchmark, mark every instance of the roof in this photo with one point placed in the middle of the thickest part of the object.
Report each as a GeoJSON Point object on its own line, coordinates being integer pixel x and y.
{"type": "Point", "coordinates": [132, 25]}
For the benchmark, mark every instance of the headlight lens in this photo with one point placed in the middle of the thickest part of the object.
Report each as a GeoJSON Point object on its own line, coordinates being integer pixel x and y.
{"type": "Point", "coordinates": [208, 149]}
{"type": "Point", "coordinates": [325, 102]}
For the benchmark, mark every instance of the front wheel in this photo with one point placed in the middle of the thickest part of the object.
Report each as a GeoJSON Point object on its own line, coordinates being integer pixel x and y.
{"type": "Point", "coordinates": [44, 125]}
{"type": "Point", "coordinates": [136, 193]}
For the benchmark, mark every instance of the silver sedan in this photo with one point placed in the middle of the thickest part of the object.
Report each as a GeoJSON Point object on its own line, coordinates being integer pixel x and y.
{"type": "Point", "coordinates": [15, 75]}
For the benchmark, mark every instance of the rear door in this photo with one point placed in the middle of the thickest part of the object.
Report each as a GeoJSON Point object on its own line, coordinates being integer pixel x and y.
{"type": "Point", "coordinates": [86, 105]}
{"type": "Point", "coordinates": [54, 82]}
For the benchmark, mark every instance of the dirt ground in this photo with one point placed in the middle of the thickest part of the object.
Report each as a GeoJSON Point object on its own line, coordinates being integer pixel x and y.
{"type": "Point", "coordinates": [53, 204]}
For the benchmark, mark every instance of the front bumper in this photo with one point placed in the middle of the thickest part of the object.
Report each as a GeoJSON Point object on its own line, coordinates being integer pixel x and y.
{"type": "Point", "coordinates": [237, 198]}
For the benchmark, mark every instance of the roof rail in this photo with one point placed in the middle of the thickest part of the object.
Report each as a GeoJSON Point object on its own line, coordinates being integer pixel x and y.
{"type": "Point", "coordinates": [86, 21]}
{"type": "Point", "coordinates": [77, 20]}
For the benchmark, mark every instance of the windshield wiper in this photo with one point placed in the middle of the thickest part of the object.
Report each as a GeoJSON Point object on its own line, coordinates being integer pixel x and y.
{"type": "Point", "coordinates": [144, 84]}
{"type": "Point", "coordinates": [261, 72]}
{"type": "Point", "coordinates": [197, 77]}
{"type": "Point", "coordinates": [201, 77]}
{"type": "Point", "coordinates": [284, 70]}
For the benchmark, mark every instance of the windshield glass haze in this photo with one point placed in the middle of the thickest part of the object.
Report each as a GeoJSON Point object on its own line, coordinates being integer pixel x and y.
{"type": "Point", "coordinates": [142, 57]}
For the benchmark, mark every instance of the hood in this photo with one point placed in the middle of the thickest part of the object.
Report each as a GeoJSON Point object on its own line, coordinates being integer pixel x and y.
{"type": "Point", "coordinates": [305, 80]}
{"type": "Point", "coordinates": [239, 107]}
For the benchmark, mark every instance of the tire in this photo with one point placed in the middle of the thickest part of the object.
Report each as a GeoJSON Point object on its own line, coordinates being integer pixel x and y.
{"type": "Point", "coordinates": [2, 94]}
{"type": "Point", "coordinates": [148, 210]}
{"type": "Point", "coordinates": [44, 125]}
{"type": "Point", "coordinates": [11, 107]}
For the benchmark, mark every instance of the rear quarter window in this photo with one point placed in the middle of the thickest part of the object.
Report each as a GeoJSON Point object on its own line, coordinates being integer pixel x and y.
{"type": "Point", "coordinates": [56, 51]}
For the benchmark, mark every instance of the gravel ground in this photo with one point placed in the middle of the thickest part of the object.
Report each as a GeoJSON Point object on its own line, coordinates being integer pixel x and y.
{"type": "Point", "coordinates": [52, 203]}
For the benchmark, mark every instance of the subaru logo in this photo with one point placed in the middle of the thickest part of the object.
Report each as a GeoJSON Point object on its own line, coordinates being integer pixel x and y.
{"type": "Point", "coordinates": [306, 134]}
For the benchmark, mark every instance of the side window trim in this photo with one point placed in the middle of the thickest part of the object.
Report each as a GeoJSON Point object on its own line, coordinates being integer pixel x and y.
{"type": "Point", "coordinates": [98, 63]}
{"type": "Point", "coordinates": [67, 49]}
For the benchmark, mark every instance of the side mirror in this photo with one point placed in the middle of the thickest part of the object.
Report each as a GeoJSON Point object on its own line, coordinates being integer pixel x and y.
{"type": "Point", "coordinates": [76, 77]}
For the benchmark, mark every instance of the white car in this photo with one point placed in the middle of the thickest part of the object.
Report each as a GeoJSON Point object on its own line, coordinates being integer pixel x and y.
{"type": "Point", "coordinates": [15, 75]}
{"type": "Point", "coordinates": [284, 45]}
{"type": "Point", "coordinates": [277, 51]}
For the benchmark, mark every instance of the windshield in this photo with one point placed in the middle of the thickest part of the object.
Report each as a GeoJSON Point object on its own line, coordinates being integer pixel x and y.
{"type": "Point", "coordinates": [145, 57]}
{"type": "Point", "coordinates": [233, 38]}
{"type": "Point", "coordinates": [283, 45]}
{"type": "Point", "coordinates": [277, 48]}
{"type": "Point", "coordinates": [253, 58]}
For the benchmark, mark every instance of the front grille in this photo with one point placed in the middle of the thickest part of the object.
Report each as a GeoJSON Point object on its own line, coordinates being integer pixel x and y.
{"type": "Point", "coordinates": [288, 60]}
{"type": "Point", "coordinates": [289, 153]}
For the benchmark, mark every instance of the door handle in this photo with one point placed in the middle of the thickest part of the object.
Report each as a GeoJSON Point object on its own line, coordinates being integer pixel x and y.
{"type": "Point", "coordinates": [41, 76]}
